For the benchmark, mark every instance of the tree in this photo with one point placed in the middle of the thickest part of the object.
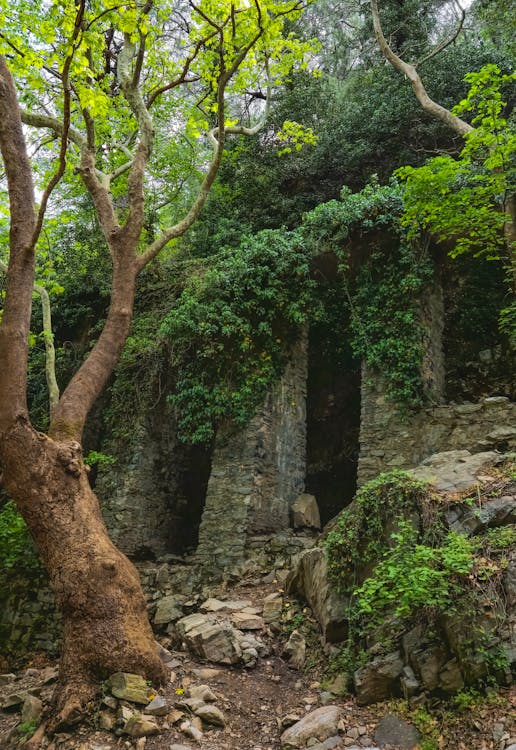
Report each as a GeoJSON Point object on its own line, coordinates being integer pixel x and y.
{"type": "Point", "coordinates": [117, 87]}
{"type": "Point", "coordinates": [483, 180]}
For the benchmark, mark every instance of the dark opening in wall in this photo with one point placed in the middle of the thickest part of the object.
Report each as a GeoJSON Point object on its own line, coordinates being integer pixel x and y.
{"type": "Point", "coordinates": [478, 358]}
{"type": "Point", "coordinates": [193, 468]}
{"type": "Point", "coordinates": [333, 419]}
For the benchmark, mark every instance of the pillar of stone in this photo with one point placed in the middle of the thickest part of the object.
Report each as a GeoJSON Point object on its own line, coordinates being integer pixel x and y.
{"type": "Point", "coordinates": [257, 473]}
{"type": "Point", "coordinates": [388, 441]}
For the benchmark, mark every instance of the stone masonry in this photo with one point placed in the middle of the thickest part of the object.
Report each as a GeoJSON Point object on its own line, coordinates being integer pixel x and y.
{"type": "Point", "coordinates": [386, 442]}
{"type": "Point", "coordinates": [257, 473]}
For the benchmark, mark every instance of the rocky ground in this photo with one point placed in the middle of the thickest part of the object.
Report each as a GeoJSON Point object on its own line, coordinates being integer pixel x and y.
{"type": "Point", "coordinates": [243, 678]}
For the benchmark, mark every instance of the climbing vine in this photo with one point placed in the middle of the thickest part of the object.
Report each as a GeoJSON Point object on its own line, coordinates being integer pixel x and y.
{"type": "Point", "coordinates": [218, 338]}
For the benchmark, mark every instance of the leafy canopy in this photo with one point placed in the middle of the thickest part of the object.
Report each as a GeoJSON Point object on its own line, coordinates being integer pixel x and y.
{"type": "Point", "coordinates": [463, 199]}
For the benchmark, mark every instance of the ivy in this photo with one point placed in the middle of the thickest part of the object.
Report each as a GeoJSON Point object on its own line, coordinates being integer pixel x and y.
{"type": "Point", "coordinates": [17, 553]}
{"type": "Point", "coordinates": [396, 573]}
{"type": "Point", "coordinates": [230, 329]}
{"type": "Point", "coordinates": [358, 536]}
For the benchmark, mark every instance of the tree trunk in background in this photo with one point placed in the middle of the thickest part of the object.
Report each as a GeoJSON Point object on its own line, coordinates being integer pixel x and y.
{"type": "Point", "coordinates": [97, 589]}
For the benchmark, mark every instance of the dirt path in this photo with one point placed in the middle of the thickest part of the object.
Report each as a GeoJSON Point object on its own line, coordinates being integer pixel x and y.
{"type": "Point", "coordinates": [258, 703]}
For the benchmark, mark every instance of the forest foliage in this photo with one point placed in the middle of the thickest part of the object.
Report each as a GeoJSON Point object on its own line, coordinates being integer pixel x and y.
{"type": "Point", "coordinates": [216, 315]}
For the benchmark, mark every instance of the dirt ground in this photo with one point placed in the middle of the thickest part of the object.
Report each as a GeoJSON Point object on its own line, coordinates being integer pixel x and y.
{"type": "Point", "coordinates": [256, 703]}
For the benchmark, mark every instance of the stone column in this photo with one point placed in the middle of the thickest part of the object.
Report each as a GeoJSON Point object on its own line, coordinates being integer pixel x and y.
{"type": "Point", "coordinates": [258, 472]}
{"type": "Point", "coordinates": [388, 441]}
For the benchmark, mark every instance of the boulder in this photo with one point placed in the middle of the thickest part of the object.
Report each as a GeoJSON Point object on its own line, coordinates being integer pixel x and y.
{"type": "Point", "coordinates": [378, 680]}
{"type": "Point", "coordinates": [138, 726]}
{"type": "Point", "coordinates": [396, 732]}
{"type": "Point", "coordinates": [310, 581]}
{"type": "Point", "coordinates": [305, 513]}
{"type": "Point", "coordinates": [169, 610]}
{"type": "Point", "coordinates": [453, 471]}
{"type": "Point", "coordinates": [130, 687]}
{"type": "Point", "coordinates": [319, 725]}
{"type": "Point", "coordinates": [216, 642]}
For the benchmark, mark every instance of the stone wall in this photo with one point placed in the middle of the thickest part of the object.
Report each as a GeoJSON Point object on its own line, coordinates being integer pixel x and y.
{"type": "Point", "coordinates": [257, 473]}
{"type": "Point", "coordinates": [152, 497]}
{"type": "Point", "coordinates": [387, 442]}
{"type": "Point", "coordinates": [29, 622]}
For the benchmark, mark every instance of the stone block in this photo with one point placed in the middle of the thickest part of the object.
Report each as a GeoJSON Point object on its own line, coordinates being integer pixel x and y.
{"type": "Point", "coordinates": [305, 513]}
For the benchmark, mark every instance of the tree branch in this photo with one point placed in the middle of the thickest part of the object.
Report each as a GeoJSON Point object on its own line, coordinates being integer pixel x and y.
{"type": "Point", "coordinates": [432, 108]}
{"type": "Point", "coordinates": [56, 177]}
{"type": "Point", "coordinates": [50, 355]}
{"type": "Point", "coordinates": [446, 42]}
{"type": "Point", "coordinates": [15, 326]}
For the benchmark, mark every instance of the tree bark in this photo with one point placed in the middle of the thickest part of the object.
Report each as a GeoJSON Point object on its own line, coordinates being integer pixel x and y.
{"type": "Point", "coordinates": [97, 589]}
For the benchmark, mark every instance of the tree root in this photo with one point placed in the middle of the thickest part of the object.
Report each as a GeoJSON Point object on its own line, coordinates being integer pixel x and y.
{"type": "Point", "coordinates": [72, 703]}
{"type": "Point", "coordinates": [34, 743]}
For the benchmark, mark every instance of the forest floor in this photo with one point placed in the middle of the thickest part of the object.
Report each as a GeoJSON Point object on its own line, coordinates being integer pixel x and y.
{"type": "Point", "coordinates": [258, 703]}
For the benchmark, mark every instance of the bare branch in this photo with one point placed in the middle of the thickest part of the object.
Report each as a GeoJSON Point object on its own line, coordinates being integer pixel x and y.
{"type": "Point", "coordinates": [433, 108]}
{"type": "Point", "coordinates": [50, 354]}
{"type": "Point", "coordinates": [445, 43]}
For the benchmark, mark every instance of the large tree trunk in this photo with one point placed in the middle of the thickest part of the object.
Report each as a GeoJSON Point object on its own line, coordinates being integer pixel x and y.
{"type": "Point", "coordinates": [97, 589]}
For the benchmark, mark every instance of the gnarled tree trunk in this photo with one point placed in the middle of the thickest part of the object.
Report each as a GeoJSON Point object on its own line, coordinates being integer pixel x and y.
{"type": "Point", "coordinates": [97, 589]}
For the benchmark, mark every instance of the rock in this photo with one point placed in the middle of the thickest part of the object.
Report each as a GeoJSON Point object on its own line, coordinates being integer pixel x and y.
{"type": "Point", "coordinates": [14, 700]}
{"type": "Point", "coordinates": [175, 746]}
{"type": "Point", "coordinates": [192, 704]}
{"type": "Point", "coordinates": [244, 621]}
{"type": "Point", "coordinates": [288, 720]}
{"type": "Point", "coordinates": [217, 605]}
{"type": "Point", "coordinates": [110, 702]}
{"type": "Point", "coordinates": [509, 584]}
{"type": "Point", "coordinates": [130, 687]}
{"type": "Point", "coordinates": [31, 710]}
{"type": "Point", "coordinates": [157, 707]}
{"type": "Point", "coordinates": [451, 679]}
{"type": "Point", "coordinates": [207, 673]}
{"type": "Point", "coordinates": [106, 720]}
{"type": "Point", "coordinates": [395, 731]}
{"type": "Point", "coordinates": [191, 731]}
{"type": "Point", "coordinates": [6, 679]}
{"type": "Point", "coordinates": [409, 683]}
{"type": "Point", "coordinates": [125, 713]}
{"type": "Point", "coordinates": [379, 679]}
{"type": "Point", "coordinates": [174, 716]}
{"type": "Point", "coordinates": [310, 581]}
{"type": "Point", "coordinates": [272, 609]}
{"type": "Point", "coordinates": [164, 654]}
{"type": "Point", "coordinates": [295, 649]}
{"type": "Point", "coordinates": [339, 685]}
{"type": "Point", "coordinates": [138, 726]}
{"type": "Point", "coordinates": [453, 471]}
{"type": "Point", "coordinates": [499, 511]}
{"type": "Point", "coordinates": [428, 663]}
{"type": "Point", "coordinates": [210, 714]}
{"type": "Point", "coordinates": [305, 513]}
{"type": "Point", "coordinates": [204, 692]}
{"type": "Point", "coordinates": [215, 642]}
{"type": "Point", "coordinates": [169, 610]}
{"type": "Point", "coordinates": [319, 724]}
